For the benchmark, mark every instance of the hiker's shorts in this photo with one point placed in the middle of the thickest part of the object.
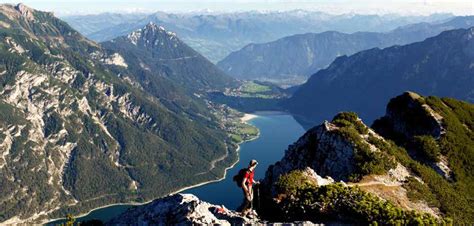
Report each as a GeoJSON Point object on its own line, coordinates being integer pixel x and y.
{"type": "Point", "coordinates": [246, 204]}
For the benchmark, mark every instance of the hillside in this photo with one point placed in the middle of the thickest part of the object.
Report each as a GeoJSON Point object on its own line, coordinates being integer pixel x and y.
{"type": "Point", "coordinates": [413, 167]}
{"type": "Point", "coordinates": [152, 54]}
{"type": "Point", "coordinates": [299, 56]}
{"type": "Point", "coordinates": [441, 66]}
{"type": "Point", "coordinates": [75, 134]}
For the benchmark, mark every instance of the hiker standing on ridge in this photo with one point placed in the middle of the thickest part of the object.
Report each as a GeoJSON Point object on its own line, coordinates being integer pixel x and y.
{"type": "Point", "coordinates": [247, 187]}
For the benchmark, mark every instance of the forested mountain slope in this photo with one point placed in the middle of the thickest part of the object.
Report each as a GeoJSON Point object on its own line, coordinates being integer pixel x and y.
{"type": "Point", "coordinates": [441, 66]}
{"type": "Point", "coordinates": [153, 53]}
{"type": "Point", "coordinates": [75, 134]}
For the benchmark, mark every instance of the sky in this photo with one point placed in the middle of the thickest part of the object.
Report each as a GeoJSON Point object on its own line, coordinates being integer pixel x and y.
{"type": "Point", "coordinates": [404, 7]}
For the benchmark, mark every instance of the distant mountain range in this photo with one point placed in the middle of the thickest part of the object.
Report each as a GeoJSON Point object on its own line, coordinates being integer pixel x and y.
{"type": "Point", "coordinates": [84, 125]}
{"type": "Point", "coordinates": [89, 24]}
{"type": "Point", "coordinates": [297, 57]}
{"type": "Point", "coordinates": [442, 65]}
{"type": "Point", "coordinates": [217, 35]}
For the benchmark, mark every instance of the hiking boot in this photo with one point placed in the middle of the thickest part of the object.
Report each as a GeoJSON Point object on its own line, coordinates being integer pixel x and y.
{"type": "Point", "coordinates": [253, 212]}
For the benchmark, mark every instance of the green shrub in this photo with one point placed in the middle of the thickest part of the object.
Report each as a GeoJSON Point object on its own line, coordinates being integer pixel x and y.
{"type": "Point", "coordinates": [366, 161]}
{"type": "Point", "coordinates": [418, 191]}
{"type": "Point", "coordinates": [348, 204]}
{"type": "Point", "coordinates": [52, 123]}
{"type": "Point", "coordinates": [457, 144]}
{"type": "Point", "coordinates": [350, 119]}
{"type": "Point", "coordinates": [293, 182]}
{"type": "Point", "coordinates": [427, 147]}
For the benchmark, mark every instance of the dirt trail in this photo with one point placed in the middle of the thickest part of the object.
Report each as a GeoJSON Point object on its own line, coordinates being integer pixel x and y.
{"type": "Point", "coordinates": [372, 183]}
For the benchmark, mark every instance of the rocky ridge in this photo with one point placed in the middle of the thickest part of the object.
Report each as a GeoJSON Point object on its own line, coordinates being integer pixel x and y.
{"type": "Point", "coordinates": [323, 153]}
{"type": "Point", "coordinates": [181, 209]}
{"type": "Point", "coordinates": [408, 157]}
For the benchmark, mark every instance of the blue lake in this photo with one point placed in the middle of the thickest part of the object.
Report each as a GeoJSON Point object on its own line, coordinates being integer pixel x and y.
{"type": "Point", "coordinates": [277, 131]}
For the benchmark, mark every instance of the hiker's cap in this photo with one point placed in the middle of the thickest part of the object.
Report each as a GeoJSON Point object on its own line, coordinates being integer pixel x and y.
{"type": "Point", "coordinates": [253, 162]}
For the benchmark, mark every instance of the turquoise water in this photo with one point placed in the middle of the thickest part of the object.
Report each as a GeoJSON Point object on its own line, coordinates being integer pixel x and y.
{"type": "Point", "coordinates": [277, 131]}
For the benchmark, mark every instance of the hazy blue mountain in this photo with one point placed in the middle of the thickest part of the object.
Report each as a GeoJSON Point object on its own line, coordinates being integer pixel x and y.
{"type": "Point", "coordinates": [441, 66]}
{"type": "Point", "coordinates": [299, 56]}
{"type": "Point", "coordinates": [216, 35]}
{"type": "Point", "coordinates": [88, 24]}
{"type": "Point", "coordinates": [78, 131]}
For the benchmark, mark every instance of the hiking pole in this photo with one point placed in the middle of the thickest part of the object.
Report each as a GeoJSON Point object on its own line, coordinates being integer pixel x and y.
{"type": "Point", "coordinates": [258, 196]}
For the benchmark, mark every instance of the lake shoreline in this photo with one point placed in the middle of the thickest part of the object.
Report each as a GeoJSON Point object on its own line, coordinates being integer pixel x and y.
{"type": "Point", "coordinates": [245, 119]}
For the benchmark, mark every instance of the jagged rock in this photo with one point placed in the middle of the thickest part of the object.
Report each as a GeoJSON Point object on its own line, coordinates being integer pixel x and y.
{"type": "Point", "coordinates": [187, 209]}
{"type": "Point", "coordinates": [181, 209]}
{"type": "Point", "coordinates": [320, 181]}
{"type": "Point", "coordinates": [25, 11]}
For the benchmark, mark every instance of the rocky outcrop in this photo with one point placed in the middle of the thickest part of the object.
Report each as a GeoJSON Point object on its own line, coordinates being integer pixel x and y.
{"type": "Point", "coordinates": [181, 209]}
{"type": "Point", "coordinates": [409, 116]}
{"type": "Point", "coordinates": [25, 11]}
{"type": "Point", "coordinates": [321, 149]}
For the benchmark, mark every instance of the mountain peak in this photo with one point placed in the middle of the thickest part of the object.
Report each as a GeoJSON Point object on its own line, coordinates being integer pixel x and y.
{"type": "Point", "coordinates": [153, 26]}
{"type": "Point", "coordinates": [22, 8]}
{"type": "Point", "coordinates": [17, 11]}
{"type": "Point", "coordinates": [151, 34]}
